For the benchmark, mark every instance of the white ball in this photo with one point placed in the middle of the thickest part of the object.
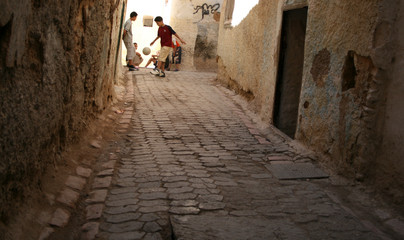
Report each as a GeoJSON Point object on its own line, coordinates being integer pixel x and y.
{"type": "Point", "coordinates": [146, 51]}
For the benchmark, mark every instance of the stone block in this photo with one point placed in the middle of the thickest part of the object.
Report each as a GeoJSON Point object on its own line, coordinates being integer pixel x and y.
{"type": "Point", "coordinates": [60, 218]}
{"type": "Point", "coordinates": [97, 196]}
{"type": "Point", "coordinates": [68, 197]}
{"type": "Point", "coordinates": [90, 230]}
{"type": "Point", "coordinates": [74, 182]}
{"type": "Point", "coordinates": [83, 172]}
{"type": "Point", "coordinates": [104, 182]}
{"type": "Point", "coordinates": [94, 211]}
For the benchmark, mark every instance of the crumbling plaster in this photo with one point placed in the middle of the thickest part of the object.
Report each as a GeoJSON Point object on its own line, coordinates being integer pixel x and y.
{"type": "Point", "coordinates": [349, 53]}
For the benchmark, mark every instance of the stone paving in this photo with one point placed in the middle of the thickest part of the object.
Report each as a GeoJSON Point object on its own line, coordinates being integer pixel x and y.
{"type": "Point", "coordinates": [195, 166]}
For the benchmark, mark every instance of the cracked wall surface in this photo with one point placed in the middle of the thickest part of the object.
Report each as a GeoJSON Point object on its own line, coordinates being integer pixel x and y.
{"type": "Point", "coordinates": [57, 67]}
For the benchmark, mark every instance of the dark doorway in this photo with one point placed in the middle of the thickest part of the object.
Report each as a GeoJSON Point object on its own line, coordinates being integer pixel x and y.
{"type": "Point", "coordinates": [290, 70]}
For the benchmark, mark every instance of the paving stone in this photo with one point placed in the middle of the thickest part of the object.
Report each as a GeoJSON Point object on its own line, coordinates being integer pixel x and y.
{"type": "Point", "coordinates": [125, 202]}
{"type": "Point", "coordinates": [240, 213]}
{"type": "Point", "coordinates": [184, 203]}
{"type": "Point", "coordinates": [227, 183]}
{"type": "Point", "coordinates": [136, 235]}
{"type": "Point", "coordinates": [46, 232]}
{"type": "Point", "coordinates": [210, 198]}
{"type": "Point", "coordinates": [104, 182]}
{"type": "Point", "coordinates": [83, 172]}
{"type": "Point", "coordinates": [149, 184]}
{"type": "Point", "coordinates": [150, 203]}
{"type": "Point", "coordinates": [90, 230]}
{"type": "Point", "coordinates": [213, 164]}
{"type": "Point", "coordinates": [261, 176]}
{"type": "Point", "coordinates": [212, 205]}
{"type": "Point", "coordinates": [153, 209]}
{"type": "Point", "coordinates": [94, 211]}
{"type": "Point", "coordinates": [153, 236]}
{"type": "Point", "coordinates": [152, 227]}
{"type": "Point", "coordinates": [75, 182]}
{"type": "Point", "coordinates": [149, 217]}
{"type": "Point", "coordinates": [124, 190]}
{"type": "Point", "coordinates": [176, 184]}
{"type": "Point", "coordinates": [122, 217]}
{"type": "Point", "coordinates": [97, 196]}
{"type": "Point", "coordinates": [153, 196]}
{"type": "Point", "coordinates": [152, 189]}
{"type": "Point", "coordinates": [122, 227]}
{"type": "Point", "coordinates": [121, 209]}
{"type": "Point", "coordinates": [123, 196]}
{"type": "Point", "coordinates": [180, 190]}
{"type": "Point", "coordinates": [108, 172]}
{"type": "Point", "coordinates": [68, 197]}
{"type": "Point", "coordinates": [184, 210]}
{"type": "Point", "coordinates": [60, 218]}
{"type": "Point", "coordinates": [175, 179]}
{"type": "Point", "coordinates": [182, 196]}
{"type": "Point", "coordinates": [110, 164]}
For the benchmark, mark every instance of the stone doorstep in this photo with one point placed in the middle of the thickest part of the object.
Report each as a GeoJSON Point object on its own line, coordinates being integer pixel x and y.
{"type": "Point", "coordinates": [285, 170]}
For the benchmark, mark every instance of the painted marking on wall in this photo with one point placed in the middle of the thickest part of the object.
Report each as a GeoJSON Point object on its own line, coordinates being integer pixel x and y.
{"type": "Point", "coordinates": [207, 9]}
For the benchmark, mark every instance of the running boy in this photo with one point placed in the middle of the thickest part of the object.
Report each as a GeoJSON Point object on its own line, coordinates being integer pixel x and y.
{"type": "Point", "coordinates": [165, 33]}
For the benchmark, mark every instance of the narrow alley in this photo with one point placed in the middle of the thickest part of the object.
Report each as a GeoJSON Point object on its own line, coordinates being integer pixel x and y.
{"type": "Point", "coordinates": [195, 166]}
{"type": "Point", "coordinates": [270, 119]}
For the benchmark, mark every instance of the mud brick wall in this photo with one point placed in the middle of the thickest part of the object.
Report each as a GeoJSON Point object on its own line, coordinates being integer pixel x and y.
{"type": "Point", "coordinates": [57, 68]}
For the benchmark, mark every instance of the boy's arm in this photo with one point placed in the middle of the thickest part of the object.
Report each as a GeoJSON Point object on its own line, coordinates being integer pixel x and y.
{"type": "Point", "coordinates": [178, 37]}
{"type": "Point", "coordinates": [154, 41]}
{"type": "Point", "coordinates": [124, 33]}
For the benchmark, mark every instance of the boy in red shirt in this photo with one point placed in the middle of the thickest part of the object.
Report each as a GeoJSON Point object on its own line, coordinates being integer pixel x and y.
{"type": "Point", "coordinates": [165, 33]}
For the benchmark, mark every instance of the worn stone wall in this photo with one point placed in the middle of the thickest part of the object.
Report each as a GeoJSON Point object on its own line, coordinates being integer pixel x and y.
{"type": "Point", "coordinates": [349, 55]}
{"type": "Point", "coordinates": [337, 78]}
{"type": "Point", "coordinates": [349, 108]}
{"type": "Point", "coordinates": [197, 23]}
{"type": "Point", "coordinates": [57, 68]}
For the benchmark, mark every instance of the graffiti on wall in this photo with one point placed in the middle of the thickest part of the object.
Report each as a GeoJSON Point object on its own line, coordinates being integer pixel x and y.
{"type": "Point", "coordinates": [207, 9]}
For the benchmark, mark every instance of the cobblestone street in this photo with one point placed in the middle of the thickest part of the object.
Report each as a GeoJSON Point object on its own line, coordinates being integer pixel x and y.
{"type": "Point", "coordinates": [195, 166]}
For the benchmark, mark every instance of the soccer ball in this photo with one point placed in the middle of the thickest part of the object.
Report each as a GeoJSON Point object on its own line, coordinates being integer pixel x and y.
{"type": "Point", "coordinates": [146, 51]}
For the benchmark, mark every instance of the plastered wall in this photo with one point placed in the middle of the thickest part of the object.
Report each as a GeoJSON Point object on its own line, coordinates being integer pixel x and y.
{"type": "Point", "coordinates": [57, 68]}
{"type": "Point", "coordinates": [350, 101]}
{"type": "Point", "coordinates": [197, 23]}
